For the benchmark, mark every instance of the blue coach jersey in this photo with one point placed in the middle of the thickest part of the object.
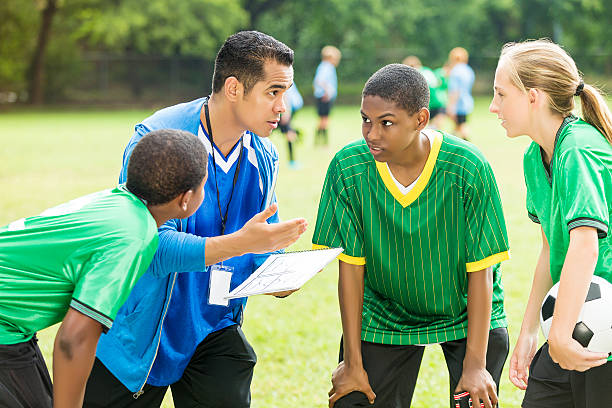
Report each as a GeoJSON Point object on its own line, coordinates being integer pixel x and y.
{"type": "Point", "coordinates": [167, 313]}
{"type": "Point", "coordinates": [190, 298]}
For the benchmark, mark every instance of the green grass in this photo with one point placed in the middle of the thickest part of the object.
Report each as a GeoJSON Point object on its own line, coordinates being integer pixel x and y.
{"type": "Point", "coordinates": [50, 157]}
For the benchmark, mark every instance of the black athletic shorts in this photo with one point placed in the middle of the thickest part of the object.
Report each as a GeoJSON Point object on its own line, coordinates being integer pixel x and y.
{"type": "Point", "coordinates": [549, 385]}
{"type": "Point", "coordinates": [24, 378]}
{"type": "Point", "coordinates": [393, 370]}
{"type": "Point", "coordinates": [461, 119]}
{"type": "Point", "coordinates": [218, 376]}
{"type": "Point", "coordinates": [323, 108]}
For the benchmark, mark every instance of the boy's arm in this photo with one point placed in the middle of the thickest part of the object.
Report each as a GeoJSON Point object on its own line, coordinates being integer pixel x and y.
{"type": "Point", "coordinates": [350, 375]}
{"type": "Point", "coordinates": [576, 275]}
{"type": "Point", "coordinates": [184, 252]}
{"type": "Point", "coordinates": [74, 352]}
{"type": "Point", "coordinates": [475, 378]}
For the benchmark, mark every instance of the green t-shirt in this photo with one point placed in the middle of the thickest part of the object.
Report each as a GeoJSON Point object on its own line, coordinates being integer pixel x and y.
{"type": "Point", "coordinates": [576, 190]}
{"type": "Point", "coordinates": [86, 254]}
{"type": "Point", "coordinates": [417, 247]}
{"type": "Point", "coordinates": [437, 95]}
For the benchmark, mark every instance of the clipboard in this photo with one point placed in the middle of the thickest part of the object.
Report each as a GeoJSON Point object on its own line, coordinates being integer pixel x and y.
{"type": "Point", "coordinates": [285, 271]}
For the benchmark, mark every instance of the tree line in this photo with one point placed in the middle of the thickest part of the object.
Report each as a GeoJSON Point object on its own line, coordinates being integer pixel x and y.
{"type": "Point", "coordinates": [43, 43]}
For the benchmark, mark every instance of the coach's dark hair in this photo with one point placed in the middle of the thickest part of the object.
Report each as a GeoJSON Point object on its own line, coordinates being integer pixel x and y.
{"type": "Point", "coordinates": [401, 84]}
{"type": "Point", "coordinates": [166, 163]}
{"type": "Point", "coordinates": [244, 54]}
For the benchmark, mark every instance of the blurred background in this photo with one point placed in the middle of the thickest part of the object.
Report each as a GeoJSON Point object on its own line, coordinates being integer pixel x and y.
{"type": "Point", "coordinates": [156, 52]}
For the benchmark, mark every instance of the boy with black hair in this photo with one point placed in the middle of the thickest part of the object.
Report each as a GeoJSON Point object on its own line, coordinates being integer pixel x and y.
{"type": "Point", "coordinates": [169, 332]}
{"type": "Point", "coordinates": [419, 216]}
{"type": "Point", "coordinates": [77, 263]}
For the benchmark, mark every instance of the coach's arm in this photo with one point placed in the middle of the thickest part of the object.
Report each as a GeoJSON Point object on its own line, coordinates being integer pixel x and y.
{"type": "Point", "coordinates": [74, 352]}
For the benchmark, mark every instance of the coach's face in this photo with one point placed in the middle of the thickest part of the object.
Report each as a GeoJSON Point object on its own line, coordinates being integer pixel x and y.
{"type": "Point", "coordinates": [259, 110]}
{"type": "Point", "coordinates": [389, 130]}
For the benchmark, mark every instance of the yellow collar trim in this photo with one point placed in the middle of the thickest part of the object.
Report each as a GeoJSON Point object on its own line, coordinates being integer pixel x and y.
{"type": "Point", "coordinates": [407, 199]}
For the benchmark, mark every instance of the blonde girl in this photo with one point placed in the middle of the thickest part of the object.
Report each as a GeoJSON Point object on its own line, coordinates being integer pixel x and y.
{"type": "Point", "coordinates": [569, 193]}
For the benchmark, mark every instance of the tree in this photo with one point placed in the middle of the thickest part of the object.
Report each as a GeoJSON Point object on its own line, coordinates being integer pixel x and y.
{"type": "Point", "coordinates": [36, 70]}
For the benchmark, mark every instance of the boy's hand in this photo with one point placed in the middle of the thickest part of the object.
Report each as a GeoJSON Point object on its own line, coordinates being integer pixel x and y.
{"type": "Point", "coordinates": [570, 355]}
{"type": "Point", "coordinates": [346, 380]}
{"type": "Point", "coordinates": [479, 383]}
{"type": "Point", "coordinates": [523, 353]}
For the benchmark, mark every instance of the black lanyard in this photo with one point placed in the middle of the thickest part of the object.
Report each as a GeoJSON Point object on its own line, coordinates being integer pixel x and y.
{"type": "Point", "coordinates": [212, 142]}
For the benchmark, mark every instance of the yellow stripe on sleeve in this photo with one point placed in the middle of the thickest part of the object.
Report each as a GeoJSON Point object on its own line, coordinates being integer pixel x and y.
{"type": "Point", "coordinates": [488, 261]}
{"type": "Point", "coordinates": [353, 260]}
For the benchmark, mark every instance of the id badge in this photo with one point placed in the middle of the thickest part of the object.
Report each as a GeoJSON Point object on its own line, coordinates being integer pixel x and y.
{"type": "Point", "coordinates": [219, 287]}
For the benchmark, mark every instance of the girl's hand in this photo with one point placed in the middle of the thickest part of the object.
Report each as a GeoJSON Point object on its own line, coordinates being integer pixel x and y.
{"type": "Point", "coordinates": [520, 361]}
{"type": "Point", "coordinates": [570, 355]}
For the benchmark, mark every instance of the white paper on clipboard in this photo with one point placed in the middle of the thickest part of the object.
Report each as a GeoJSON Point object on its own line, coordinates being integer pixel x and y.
{"type": "Point", "coordinates": [286, 271]}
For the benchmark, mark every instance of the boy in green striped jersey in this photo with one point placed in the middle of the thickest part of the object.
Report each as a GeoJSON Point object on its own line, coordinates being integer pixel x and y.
{"type": "Point", "coordinates": [77, 262]}
{"type": "Point", "coordinates": [419, 216]}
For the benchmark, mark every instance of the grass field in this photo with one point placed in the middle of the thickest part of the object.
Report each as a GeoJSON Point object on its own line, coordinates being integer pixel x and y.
{"type": "Point", "coordinates": [48, 157]}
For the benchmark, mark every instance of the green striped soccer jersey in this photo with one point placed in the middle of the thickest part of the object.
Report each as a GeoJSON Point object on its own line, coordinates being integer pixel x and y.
{"type": "Point", "coordinates": [417, 247]}
{"type": "Point", "coordinates": [86, 254]}
{"type": "Point", "coordinates": [576, 190]}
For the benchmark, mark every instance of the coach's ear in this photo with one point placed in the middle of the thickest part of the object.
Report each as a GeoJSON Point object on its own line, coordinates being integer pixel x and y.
{"type": "Point", "coordinates": [233, 89]}
{"type": "Point", "coordinates": [422, 118]}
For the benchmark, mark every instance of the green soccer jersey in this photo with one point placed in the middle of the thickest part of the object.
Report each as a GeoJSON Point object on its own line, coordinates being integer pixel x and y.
{"type": "Point", "coordinates": [418, 247]}
{"type": "Point", "coordinates": [86, 254]}
{"type": "Point", "coordinates": [575, 190]}
{"type": "Point", "coordinates": [438, 96]}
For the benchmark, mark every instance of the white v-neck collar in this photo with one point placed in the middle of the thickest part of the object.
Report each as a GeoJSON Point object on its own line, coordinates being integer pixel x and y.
{"type": "Point", "coordinates": [222, 163]}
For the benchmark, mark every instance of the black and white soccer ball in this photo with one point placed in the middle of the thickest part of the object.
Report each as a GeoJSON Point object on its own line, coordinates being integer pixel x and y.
{"type": "Point", "coordinates": [594, 327]}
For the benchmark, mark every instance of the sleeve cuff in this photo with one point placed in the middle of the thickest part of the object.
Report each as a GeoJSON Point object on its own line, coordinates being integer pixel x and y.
{"type": "Point", "coordinates": [101, 318]}
{"type": "Point", "coordinates": [602, 228]}
{"type": "Point", "coordinates": [533, 217]}
{"type": "Point", "coordinates": [353, 260]}
{"type": "Point", "coordinates": [488, 261]}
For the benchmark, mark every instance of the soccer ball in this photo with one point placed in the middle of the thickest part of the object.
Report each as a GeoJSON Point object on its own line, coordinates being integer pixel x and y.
{"type": "Point", "coordinates": [594, 327]}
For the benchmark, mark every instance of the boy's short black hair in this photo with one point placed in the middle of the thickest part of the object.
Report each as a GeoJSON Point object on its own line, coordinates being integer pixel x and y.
{"type": "Point", "coordinates": [166, 163]}
{"type": "Point", "coordinates": [244, 54]}
{"type": "Point", "coordinates": [401, 84]}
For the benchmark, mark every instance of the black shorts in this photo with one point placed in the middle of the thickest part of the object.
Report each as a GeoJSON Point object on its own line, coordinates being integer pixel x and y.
{"type": "Point", "coordinates": [461, 119]}
{"type": "Point", "coordinates": [436, 111]}
{"type": "Point", "coordinates": [549, 385]}
{"type": "Point", "coordinates": [393, 370]}
{"type": "Point", "coordinates": [24, 378]}
{"type": "Point", "coordinates": [323, 108]}
{"type": "Point", "coordinates": [218, 375]}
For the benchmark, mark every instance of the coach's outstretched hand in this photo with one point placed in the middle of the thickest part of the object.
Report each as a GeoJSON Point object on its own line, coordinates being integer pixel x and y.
{"type": "Point", "coordinates": [478, 382]}
{"type": "Point", "coordinates": [348, 379]}
{"type": "Point", "coordinates": [258, 237]}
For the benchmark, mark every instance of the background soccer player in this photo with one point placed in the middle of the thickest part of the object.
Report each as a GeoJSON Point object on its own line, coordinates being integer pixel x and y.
{"type": "Point", "coordinates": [460, 81]}
{"type": "Point", "coordinates": [77, 263]}
{"type": "Point", "coordinates": [568, 173]}
{"type": "Point", "coordinates": [293, 103]}
{"type": "Point", "coordinates": [325, 86]}
{"type": "Point", "coordinates": [419, 216]}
